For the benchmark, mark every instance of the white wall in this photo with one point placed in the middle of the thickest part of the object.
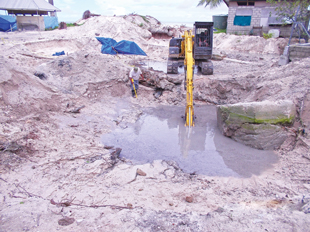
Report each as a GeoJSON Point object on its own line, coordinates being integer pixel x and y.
{"type": "Point", "coordinates": [34, 22]}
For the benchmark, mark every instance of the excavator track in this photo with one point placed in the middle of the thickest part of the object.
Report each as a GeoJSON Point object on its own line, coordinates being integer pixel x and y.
{"type": "Point", "coordinates": [172, 67]}
{"type": "Point", "coordinates": [207, 68]}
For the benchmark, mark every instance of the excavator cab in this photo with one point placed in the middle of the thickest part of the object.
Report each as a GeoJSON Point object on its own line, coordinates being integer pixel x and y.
{"type": "Point", "coordinates": [203, 40]}
{"type": "Point", "coordinates": [202, 49]}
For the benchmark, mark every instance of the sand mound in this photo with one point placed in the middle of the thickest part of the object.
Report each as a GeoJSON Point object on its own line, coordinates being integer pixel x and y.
{"type": "Point", "coordinates": [249, 44]}
{"type": "Point", "coordinates": [110, 27]}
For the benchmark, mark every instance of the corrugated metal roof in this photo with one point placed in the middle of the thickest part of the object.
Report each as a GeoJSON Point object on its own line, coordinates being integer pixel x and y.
{"type": "Point", "coordinates": [33, 5]}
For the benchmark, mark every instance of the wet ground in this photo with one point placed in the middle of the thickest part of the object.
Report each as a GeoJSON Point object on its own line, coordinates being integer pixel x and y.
{"type": "Point", "coordinates": [160, 134]}
{"type": "Point", "coordinates": [162, 66]}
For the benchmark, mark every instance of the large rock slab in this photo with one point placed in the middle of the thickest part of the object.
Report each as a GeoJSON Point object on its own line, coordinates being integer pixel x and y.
{"type": "Point", "coordinates": [160, 80]}
{"type": "Point", "coordinates": [257, 124]}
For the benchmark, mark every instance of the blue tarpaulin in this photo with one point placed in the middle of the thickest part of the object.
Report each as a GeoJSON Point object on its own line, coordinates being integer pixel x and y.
{"type": "Point", "coordinates": [50, 22]}
{"type": "Point", "coordinates": [7, 23]}
{"type": "Point", "coordinates": [110, 46]}
{"type": "Point", "coordinates": [59, 53]}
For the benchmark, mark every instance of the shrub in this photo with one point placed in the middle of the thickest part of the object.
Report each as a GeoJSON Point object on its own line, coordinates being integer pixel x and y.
{"type": "Point", "coordinates": [267, 35]}
{"type": "Point", "coordinates": [144, 18]}
{"type": "Point", "coordinates": [219, 31]}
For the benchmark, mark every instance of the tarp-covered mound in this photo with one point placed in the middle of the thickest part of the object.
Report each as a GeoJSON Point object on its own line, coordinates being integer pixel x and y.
{"type": "Point", "coordinates": [110, 46]}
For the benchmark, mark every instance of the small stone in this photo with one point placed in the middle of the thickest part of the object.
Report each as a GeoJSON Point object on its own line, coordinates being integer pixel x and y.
{"type": "Point", "coordinates": [171, 204]}
{"type": "Point", "coordinates": [140, 189]}
{"type": "Point", "coordinates": [250, 76]}
{"type": "Point", "coordinates": [66, 221]}
{"type": "Point", "coordinates": [189, 199]}
{"type": "Point", "coordinates": [129, 206]}
{"type": "Point", "coordinates": [219, 210]}
{"type": "Point", "coordinates": [140, 172]}
{"type": "Point", "coordinates": [41, 75]}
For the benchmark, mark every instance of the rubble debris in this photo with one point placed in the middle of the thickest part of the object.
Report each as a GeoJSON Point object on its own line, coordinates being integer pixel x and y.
{"type": "Point", "coordinates": [108, 147]}
{"type": "Point", "coordinates": [94, 158]}
{"type": "Point", "coordinates": [41, 75]}
{"type": "Point", "coordinates": [189, 199]}
{"type": "Point", "coordinates": [115, 154]}
{"type": "Point", "coordinates": [140, 172]}
{"type": "Point", "coordinates": [306, 208]}
{"type": "Point", "coordinates": [158, 93]}
{"type": "Point", "coordinates": [11, 147]}
{"type": "Point", "coordinates": [62, 25]}
{"type": "Point", "coordinates": [87, 14]}
{"type": "Point", "coordinates": [61, 204]}
{"type": "Point", "coordinates": [77, 110]}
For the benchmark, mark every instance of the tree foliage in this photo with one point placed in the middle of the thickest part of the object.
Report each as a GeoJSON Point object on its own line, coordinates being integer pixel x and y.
{"type": "Point", "coordinates": [287, 9]}
{"type": "Point", "coordinates": [212, 3]}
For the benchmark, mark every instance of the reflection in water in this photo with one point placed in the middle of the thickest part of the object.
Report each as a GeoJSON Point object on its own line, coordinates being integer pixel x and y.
{"type": "Point", "coordinates": [162, 66]}
{"type": "Point", "coordinates": [160, 134]}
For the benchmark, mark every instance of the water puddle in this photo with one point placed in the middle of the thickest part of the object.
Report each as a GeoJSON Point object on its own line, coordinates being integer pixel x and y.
{"type": "Point", "coordinates": [156, 65]}
{"type": "Point", "coordinates": [162, 66]}
{"type": "Point", "coordinates": [160, 134]}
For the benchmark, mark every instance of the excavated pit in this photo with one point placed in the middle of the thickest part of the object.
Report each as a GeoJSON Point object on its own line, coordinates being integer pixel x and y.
{"type": "Point", "coordinates": [48, 48]}
{"type": "Point", "coordinates": [160, 134]}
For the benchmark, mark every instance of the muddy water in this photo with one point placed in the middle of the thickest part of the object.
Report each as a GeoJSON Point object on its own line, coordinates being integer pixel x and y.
{"type": "Point", "coordinates": [160, 134]}
{"type": "Point", "coordinates": [162, 66]}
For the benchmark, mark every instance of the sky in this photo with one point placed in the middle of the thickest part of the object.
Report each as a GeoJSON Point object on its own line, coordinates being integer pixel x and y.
{"type": "Point", "coordinates": [166, 11]}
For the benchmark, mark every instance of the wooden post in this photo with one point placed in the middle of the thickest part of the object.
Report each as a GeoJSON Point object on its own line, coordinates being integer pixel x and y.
{"type": "Point", "coordinates": [53, 14]}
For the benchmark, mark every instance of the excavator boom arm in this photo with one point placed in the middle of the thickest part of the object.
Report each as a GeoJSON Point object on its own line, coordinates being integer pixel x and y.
{"type": "Point", "coordinates": [189, 63]}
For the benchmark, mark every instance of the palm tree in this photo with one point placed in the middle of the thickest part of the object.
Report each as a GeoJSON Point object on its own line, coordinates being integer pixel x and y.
{"type": "Point", "coordinates": [212, 3]}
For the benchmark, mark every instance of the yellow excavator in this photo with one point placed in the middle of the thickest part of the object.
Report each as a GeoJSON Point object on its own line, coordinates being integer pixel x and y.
{"type": "Point", "coordinates": [192, 50]}
{"type": "Point", "coordinates": [189, 63]}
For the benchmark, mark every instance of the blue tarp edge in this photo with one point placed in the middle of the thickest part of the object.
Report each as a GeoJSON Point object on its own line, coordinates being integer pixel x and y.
{"type": "Point", "coordinates": [50, 22]}
{"type": "Point", "coordinates": [7, 23]}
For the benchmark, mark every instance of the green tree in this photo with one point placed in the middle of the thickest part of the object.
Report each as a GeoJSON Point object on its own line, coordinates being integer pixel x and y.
{"type": "Point", "coordinates": [287, 9]}
{"type": "Point", "coordinates": [212, 3]}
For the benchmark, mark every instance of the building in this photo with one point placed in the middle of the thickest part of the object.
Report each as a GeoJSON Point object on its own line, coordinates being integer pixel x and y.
{"type": "Point", "coordinates": [246, 17]}
{"type": "Point", "coordinates": [29, 13]}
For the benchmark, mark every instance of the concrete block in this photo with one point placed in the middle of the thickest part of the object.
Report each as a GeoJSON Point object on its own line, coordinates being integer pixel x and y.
{"type": "Point", "coordinates": [275, 33]}
{"type": "Point", "coordinates": [256, 124]}
{"type": "Point", "coordinates": [283, 60]}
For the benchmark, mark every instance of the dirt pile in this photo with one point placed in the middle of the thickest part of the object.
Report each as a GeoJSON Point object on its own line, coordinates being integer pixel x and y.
{"type": "Point", "coordinates": [111, 27]}
{"type": "Point", "coordinates": [55, 173]}
{"type": "Point", "coordinates": [249, 44]}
